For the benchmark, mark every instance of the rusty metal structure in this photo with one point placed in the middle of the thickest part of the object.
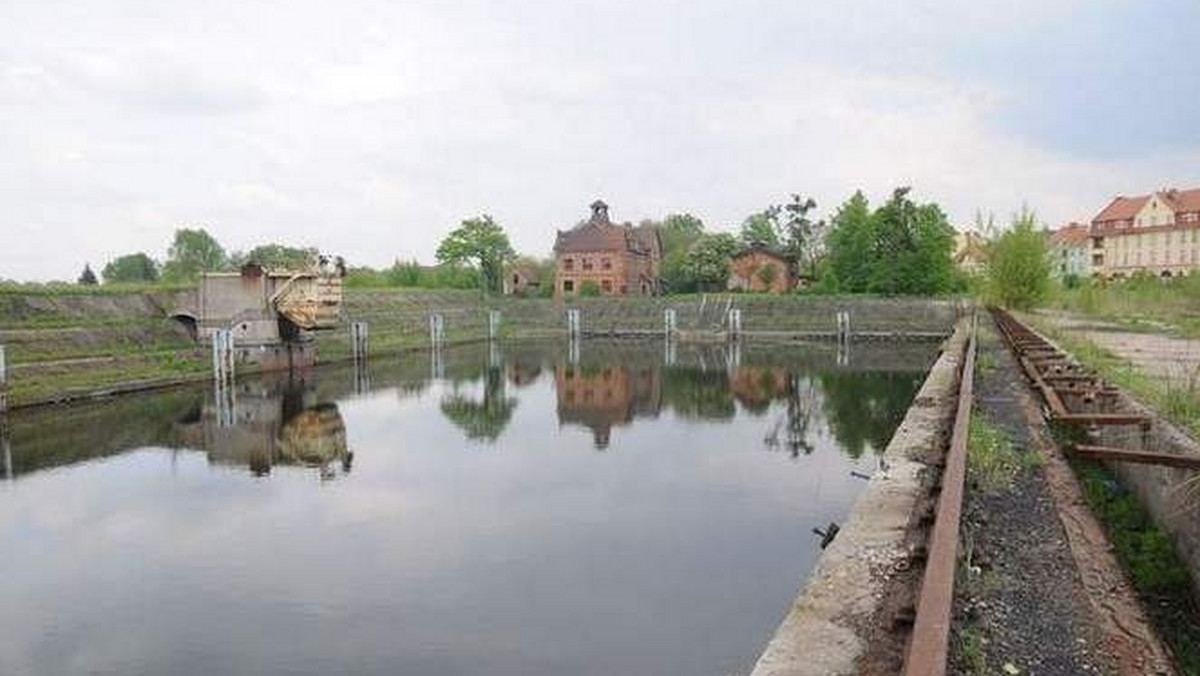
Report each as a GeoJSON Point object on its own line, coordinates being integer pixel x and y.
{"type": "Point", "coordinates": [271, 313]}
{"type": "Point", "coordinates": [928, 646]}
{"type": "Point", "coordinates": [1075, 396]}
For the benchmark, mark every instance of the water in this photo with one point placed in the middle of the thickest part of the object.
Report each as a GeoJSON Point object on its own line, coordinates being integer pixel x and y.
{"type": "Point", "coordinates": [533, 510]}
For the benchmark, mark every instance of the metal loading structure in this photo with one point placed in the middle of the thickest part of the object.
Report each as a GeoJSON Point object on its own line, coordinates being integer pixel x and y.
{"type": "Point", "coordinates": [1077, 397]}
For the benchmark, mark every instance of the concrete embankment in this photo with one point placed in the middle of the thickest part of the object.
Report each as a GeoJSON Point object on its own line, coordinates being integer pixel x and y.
{"type": "Point", "coordinates": [842, 622]}
{"type": "Point", "coordinates": [64, 346]}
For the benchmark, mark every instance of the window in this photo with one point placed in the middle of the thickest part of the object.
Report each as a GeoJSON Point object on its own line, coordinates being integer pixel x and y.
{"type": "Point", "coordinates": [606, 285]}
{"type": "Point", "coordinates": [606, 264]}
{"type": "Point", "coordinates": [568, 286]}
{"type": "Point", "coordinates": [587, 264]}
{"type": "Point", "coordinates": [568, 264]}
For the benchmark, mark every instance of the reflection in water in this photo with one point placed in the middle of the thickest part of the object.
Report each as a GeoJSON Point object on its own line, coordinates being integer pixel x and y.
{"type": "Point", "coordinates": [600, 397]}
{"type": "Point", "coordinates": [270, 423]}
{"type": "Point", "coordinates": [486, 417]}
{"type": "Point", "coordinates": [598, 563]}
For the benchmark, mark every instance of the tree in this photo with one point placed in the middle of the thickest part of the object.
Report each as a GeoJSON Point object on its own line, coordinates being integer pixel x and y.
{"type": "Point", "coordinates": [1018, 267]}
{"type": "Point", "coordinates": [87, 277]}
{"type": "Point", "coordinates": [761, 229]}
{"type": "Point", "coordinates": [193, 252]}
{"type": "Point", "coordinates": [135, 267]}
{"type": "Point", "coordinates": [900, 248]}
{"type": "Point", "coordinates": [913, 247]}
{"type": "Point", "coordinates": [482, 244]}
{"type": "Point", "coordinates": [850, 240]}
{"type": "Point", "coordinates": [276, 257]}
{"type": "Point", "coordinates": [678, 232]}
{"type": "Point", "coordinates": [800, 236]}
{"type": "Point", "coordinates": [707, 264]}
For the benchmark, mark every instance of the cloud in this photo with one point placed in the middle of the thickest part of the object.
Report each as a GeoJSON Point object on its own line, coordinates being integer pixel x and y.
{"type": "Point", "coordinates": [373, 130]}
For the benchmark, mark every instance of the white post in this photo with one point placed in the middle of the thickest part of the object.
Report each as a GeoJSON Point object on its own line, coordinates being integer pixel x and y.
{"type": "Point", "coordinates": [734, 321]}
{"type": "Point", "coordinates": [223, 362]}
{"type": "Point", "coordinates": [359, 334]}
{"type": "Point", "coordinates": [733, 356]}
{"type": "Point", "coordinates": [3, 382]}
{"type": "Point", "coordinates": [437, 362]}
{"type": "Point", "coordinates": [670, 355]}
{"type": "Point", "coordinates": [493, 324]}
{"type": "Point", "coordinates": [437, 329]}
{"type": "Point", "coordinates": [8, 463]}
{"type": "Point", "coordinates": [669, 323]}
{"type": "Point", "coordinates": [574, 323]}
{"type": "Point", "coordinates": [223, 375]}
{"type": "Point", "coordinates": [843, 325]}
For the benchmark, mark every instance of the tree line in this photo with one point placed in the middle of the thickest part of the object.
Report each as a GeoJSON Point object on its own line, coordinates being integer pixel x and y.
{"type": "Point", "coordinates": [901, 247]}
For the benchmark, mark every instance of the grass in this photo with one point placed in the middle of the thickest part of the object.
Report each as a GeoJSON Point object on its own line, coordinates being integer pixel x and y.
{"type": "Point", "coordinates": [1140, 303]}
{"type": "Point", "coordinates": [993, 462]}
{"type": "Point", "coordinates": [1156, 572]}
{"type": "Point", "coordinates": [971, 651]}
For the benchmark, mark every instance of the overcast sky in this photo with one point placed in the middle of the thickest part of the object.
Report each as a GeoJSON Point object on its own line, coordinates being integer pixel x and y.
{"type": "Point", "coordinates": [371, 128]}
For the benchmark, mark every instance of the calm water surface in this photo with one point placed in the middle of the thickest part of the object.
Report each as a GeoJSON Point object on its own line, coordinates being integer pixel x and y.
{"type": "Point", "coordinates": [506, 510]}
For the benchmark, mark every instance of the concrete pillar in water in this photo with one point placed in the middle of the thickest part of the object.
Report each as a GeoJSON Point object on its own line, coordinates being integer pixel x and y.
{"type": "Point", "coordinates": [3, 381]}
{"type": "Point", "coordinates": [223, 376]}
{"type": "Point", "coordinates": [6, 447]}
{"type": "Point", "coordinates": [222, 351]}
{"type": "Point", "coordinates": [359, 334]}
{"type": "Point", "coordinates": [734, 322]}
{"type": "Point", "coordinates": [843, 325]}
{"type": "Point", "coordinates": [437, 329]}
{"type": "Point", "coordinates": [574, 323]}
{"type": "Point", "coordinates": [493, 324]}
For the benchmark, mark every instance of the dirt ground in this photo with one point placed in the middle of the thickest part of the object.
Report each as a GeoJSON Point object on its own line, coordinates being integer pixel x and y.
{"type": "Point", "coordinates": [1040, 592]}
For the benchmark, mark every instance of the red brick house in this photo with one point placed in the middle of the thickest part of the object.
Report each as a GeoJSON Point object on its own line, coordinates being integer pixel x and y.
{"type": "Point", "coordinates": [760, 269]}
{"type": "Point", "coordinates": [619, 258]}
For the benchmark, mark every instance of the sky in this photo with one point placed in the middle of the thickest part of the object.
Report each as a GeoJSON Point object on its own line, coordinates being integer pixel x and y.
{"type": "Point", "coordinates": [371, 129]}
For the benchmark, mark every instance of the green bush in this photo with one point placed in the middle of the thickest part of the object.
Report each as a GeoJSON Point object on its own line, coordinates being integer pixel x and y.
{"type": "Point", "coordinates": [589, 289]}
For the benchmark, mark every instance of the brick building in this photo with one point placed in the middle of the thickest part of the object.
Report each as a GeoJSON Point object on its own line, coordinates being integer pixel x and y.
{"type": "Point", "coordinates": [760, 269]}
{"type": "Point", "coordinates": [619, 258]}
{"type": "Point", "coordinates": [1157, 234]}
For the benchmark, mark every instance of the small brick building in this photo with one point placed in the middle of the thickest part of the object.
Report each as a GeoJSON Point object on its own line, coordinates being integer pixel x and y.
{"type": "Point", "coordinates": [762, 270]}
{"type": "Point", "coordinates": [619, 258]}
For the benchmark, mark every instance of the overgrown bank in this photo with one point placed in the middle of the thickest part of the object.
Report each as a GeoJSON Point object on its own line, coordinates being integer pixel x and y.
{"type": "Point", "coordinates": [68, 345]}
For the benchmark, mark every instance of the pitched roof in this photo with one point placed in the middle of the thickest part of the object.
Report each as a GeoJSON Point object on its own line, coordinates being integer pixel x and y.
{"type": "Point", "coordinates": [600, 234]}
{"type": "Point", "coordinates": [1070, 235]}
{"type": "Point", "coordinates": [1122, 208]}
{"type": "Point", "coordinates": [766, 250]}
{"type": "Point", "coordinates": [1182, 200]}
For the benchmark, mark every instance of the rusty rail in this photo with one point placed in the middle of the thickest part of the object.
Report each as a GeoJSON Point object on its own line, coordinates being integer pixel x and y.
{"type": "Point", "coordinates": [928, 646]}
{"type": "Point", "coordinates": [1053, 374]}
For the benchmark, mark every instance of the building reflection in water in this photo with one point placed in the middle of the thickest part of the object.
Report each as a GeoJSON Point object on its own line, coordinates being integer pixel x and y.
{"type": "Point", "coordinates": [274, 423]}
{"type": "Point", "coordinates": [601, 397]}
